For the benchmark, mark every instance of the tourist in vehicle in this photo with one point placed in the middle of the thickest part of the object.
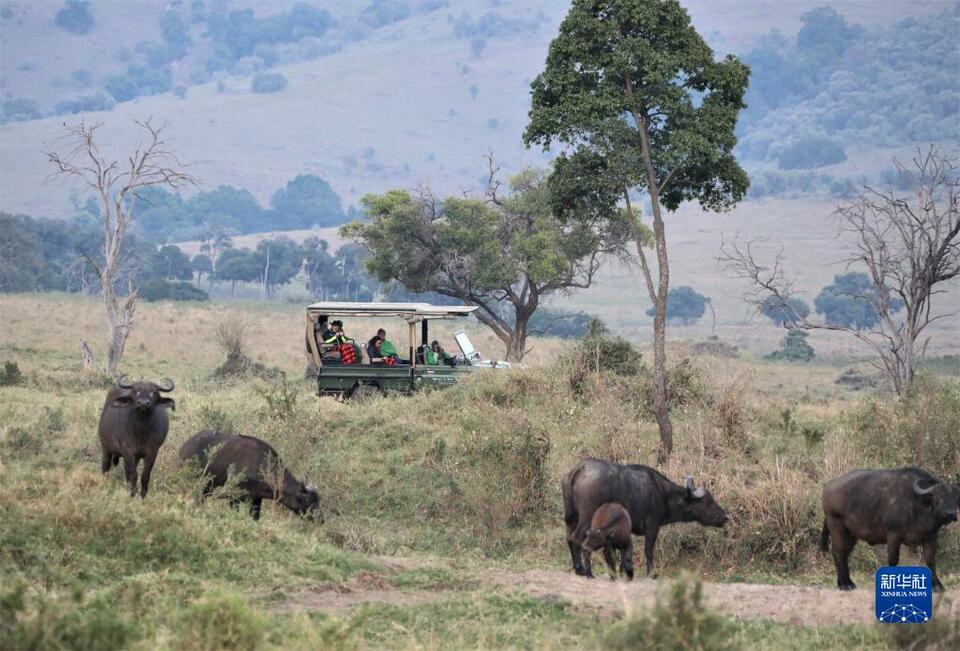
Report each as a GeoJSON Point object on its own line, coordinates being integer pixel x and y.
{"type": "Point", "coordinates": [436, 355]}
{"type": "Point", "coordinates": [337, 345]}
{"type": "Point", "coordinates": [373, 347]}
{"type": "Point", "coordinates": [389, 352]}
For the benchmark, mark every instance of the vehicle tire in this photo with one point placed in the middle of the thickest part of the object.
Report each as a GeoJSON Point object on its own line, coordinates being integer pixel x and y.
{"type": "Point", "coordinates": [365, 391]}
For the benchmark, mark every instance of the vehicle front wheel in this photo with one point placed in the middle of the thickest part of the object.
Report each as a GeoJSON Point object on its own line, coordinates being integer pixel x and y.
{"type": "Point", "coordinates": [364, 391]}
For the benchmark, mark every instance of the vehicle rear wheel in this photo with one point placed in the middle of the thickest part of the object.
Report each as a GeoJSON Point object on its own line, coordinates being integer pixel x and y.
{"type": "Point", "coordinates": [365, 391]}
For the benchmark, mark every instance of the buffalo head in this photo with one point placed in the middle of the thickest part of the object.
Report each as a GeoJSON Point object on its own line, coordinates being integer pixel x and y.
{"type": "Point", "coordinates": [699, 506]}
{"type": "Point", "coordinates": [940, 497]}
{"type": "Point", "coordinates": [308, 504]}
{"type": "Point", "coordinates": [143, 396]}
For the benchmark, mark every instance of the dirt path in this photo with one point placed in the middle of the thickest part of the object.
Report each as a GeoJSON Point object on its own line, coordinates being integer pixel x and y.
{"type": "Point", "coordinates": [799, 605]}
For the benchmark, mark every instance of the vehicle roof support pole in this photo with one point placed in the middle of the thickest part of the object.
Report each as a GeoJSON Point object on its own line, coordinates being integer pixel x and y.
{"type": "Point", "coordinates": [412, 338]}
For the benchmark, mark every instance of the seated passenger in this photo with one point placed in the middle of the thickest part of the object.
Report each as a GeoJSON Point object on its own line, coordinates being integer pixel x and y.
{"type": "Point", "coordinates": [389, 352]}
{"type": "Point", "coordinates": [436, 355]}
{"type": "Point", "coordinates": [338, 345]}
{"type": "Point", "coordinates": [373, 347]}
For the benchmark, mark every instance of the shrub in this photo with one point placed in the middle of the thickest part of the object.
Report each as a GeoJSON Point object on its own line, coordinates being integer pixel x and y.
{"type": "Point", "coordinates": [85, 103]}
{"type": "Point", "coordinates": [37, 621]}
{"type": "Point", "coordinates": [679, 621]}
{"type": "Point", "coordinates": [75, 17]}
{"type": "Point", "coordinates": [230, 337]}
{"type": "Point", "coordinates": [599, 353]}
{"type": "Point", "coordinates": [268, 82]}
{"type": "Point", "coordinates": [163, 290]}
{"type": "Point", "coordinates": [17, 109]}
{"type": "Point", "coordinates": [794, 348]}
{"type": "Point", "coordinates": [219, 621]}
{"type": "Point", "coordinates": [10, 375]}
{"type": "Point", "coordinates": [139, 80]}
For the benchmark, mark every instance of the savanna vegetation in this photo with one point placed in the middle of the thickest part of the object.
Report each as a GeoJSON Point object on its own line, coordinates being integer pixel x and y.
{"type": "Point", "coordinates": [464, 482]}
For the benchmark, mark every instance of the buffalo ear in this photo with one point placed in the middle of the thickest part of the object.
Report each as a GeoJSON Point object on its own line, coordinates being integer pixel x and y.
{"type": "Point", "coordinates": [169, 403]}
{"type": "Point", "coordinates": [122, 400]}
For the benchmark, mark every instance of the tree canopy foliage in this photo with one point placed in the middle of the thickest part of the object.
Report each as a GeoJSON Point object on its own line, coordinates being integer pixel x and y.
{"type": "Point", "coordinates": [850, 301]}
{"type": "Point", "coordinates": [501, 253]}
{"type": "Point", "coordinates": [784, 312]}
{"type": "Point", "coordinates": [684, 305]}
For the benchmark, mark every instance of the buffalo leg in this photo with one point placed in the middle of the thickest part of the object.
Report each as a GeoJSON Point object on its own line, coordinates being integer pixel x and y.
{"type": "Point", "coordinates": [106, 462]}
{"type": "Point", "coordinates": [626, 561]}
{"type": "Point", "coordinates": [255, 507]}
{"type": "Point", "coordinates": [893, 551]}
{"type": "Point", "coordinates": [611, 563]}
{"type": "Point", "coordinates": [842, 543]}
{"type": "Point", "coordinates": [587, 567]}
{"type": "Point", "coordinates": [930, 560]}
{"type": "Point", "coordinates": [575, 557]}
{"type": "Point", "coordinates": [649, 543]}
{"type": "Point", "coordinates": [145, 475]}
{"type": "Point", "coordinates": [130, 472]}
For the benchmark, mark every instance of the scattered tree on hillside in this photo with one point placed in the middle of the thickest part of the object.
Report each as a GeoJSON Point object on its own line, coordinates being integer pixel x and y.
{"type": "Point", "coordinates": [237, 266]}
{"type": "Point", "coordinates": [201, 265]}
{"type": "Point", "coordinates": [636, 96]}
{"type": "Point", "coordinates": [850, 300]}
{"type": "Point", "coordinates": [170, 263]}
{"type": "Point", "coordinates": [683, 305]}
{"type": "Point", "coordinates": [75, 17]}
{"type": "Point", "coordinates": [781, 314]}
{"type": "Point", "coordinates": [794, 348]}
{"type": "Point", "coordinates": [306, 201]}
{"type": "Point", "coordinates": [910, 246]}
{"type": "Point", "coordinates": [506, 252]}
{"type": "Point", "coordinates": [116, 184]}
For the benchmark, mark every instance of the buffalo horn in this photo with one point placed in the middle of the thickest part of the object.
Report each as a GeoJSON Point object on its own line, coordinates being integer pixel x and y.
{"type": "Point", "coordinates": [698, 493]}
{"type": "Point", "coordinates": [923, 491]}
{"type": "Point", "coordinates": [121, 382]}
{"type": "Point", "coordinates": [166, 385]}
{"type": "Point", "coordinates": [688, 482]}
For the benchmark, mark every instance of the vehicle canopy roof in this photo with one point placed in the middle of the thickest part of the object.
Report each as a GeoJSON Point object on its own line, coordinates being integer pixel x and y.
{"type": "Point", "coordinates": [410, 312]}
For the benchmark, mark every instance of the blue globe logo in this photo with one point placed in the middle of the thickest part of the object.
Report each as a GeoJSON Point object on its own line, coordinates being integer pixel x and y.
{"type": "Point", "coordinates": [903, 614]}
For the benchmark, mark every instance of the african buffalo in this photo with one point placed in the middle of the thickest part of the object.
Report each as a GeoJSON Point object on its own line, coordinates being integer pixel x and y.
{"type": "Point", "coordinates": [651, 499]}
{"type": "Point", "coordinates": [610, 529]}
{"type": "Point", "coordinates": [895, 507]}
{"type": "Point", "coordinates": [260, 466]}
{"type": "Point", "coordinates": [133, 426]}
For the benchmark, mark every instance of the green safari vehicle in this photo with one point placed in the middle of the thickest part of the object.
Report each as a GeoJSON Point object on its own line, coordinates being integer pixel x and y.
{"type": "Point", "coordinates": [363, 379]}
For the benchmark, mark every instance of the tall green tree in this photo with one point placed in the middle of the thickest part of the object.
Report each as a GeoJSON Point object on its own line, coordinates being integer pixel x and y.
{"type": "Point", "coordinates": [504, 253]}
{"type": "Point", "coordinates": [633, 97]}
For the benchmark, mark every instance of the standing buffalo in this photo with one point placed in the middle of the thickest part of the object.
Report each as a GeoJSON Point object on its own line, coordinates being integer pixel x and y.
{"type": "Point", "coordinates": [651, 499]}
{"type": "Point", "coordinates": [133, 426]}
{"type": "Point", "coordinates": [261, 469]}
{"type": "Point", "coordinates": [610, 529]}
{"type": "Point", "coordinates": [896, 507]}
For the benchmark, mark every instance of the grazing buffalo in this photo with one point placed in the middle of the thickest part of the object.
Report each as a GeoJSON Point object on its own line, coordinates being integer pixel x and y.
{"type": "Point", "coordinates": [651, 499]}
{"type": "Point", "coordinates": [220, 454]}
{"type": "Point", "coordinates": [133, 426]}
{"type": "Point", "coordinates": [610, 529]}
{"type": "Point", "coordinates": [892, 507]}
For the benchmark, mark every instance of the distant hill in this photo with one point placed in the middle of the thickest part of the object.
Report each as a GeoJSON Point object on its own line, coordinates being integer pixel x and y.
{"type": "Point", "coordinates": [391, 94]}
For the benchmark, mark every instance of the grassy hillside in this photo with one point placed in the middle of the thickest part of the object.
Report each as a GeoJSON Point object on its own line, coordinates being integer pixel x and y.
{"type": "Point", "coordinates": [408, 103]}
{"type": "Point", "coordinates": [463, 485]}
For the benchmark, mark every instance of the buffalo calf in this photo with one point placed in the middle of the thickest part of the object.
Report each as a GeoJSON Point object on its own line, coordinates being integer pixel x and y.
{"type": "Point", "coordinates": [610, 530]}
{"type": "Point", "coordinates": [907, 506]}
{"type": "Point", "coordinates": [133, 426]}
{"type": "Point", "coordinates": [263, 475]}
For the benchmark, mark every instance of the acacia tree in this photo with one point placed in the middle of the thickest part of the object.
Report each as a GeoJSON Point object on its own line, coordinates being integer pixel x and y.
{"type": "Point", "coordinates": [503, 253]}
{"type": "Point", "coordinates": [116, 183]}
{"type": "Point", "coordinates": [634, 97]}
{"type": "Point", "coordinates": [909, 245]}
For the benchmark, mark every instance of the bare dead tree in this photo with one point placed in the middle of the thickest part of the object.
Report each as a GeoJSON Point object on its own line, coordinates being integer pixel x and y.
{"type": "Point", "coordinates": [115, 183]}
{"type": "Point", "coordinates": [910, 247]}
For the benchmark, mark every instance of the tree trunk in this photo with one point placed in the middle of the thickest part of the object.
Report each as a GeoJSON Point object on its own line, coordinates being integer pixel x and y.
{"type": "Point", "coordinates": [660, 396]}
{"type": "Point", "coordinates": [119, 320]}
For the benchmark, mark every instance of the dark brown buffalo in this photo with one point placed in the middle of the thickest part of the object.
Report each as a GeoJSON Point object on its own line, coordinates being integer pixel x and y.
{"type": "Point", "coordinates": [610, 530]}
{"type": "Point", "coordinates": [892, 507]}
{"type": "Point", "coordinates": [651, 499]}
{"type": "Point", "coordinates": [133, 426]}
{"type": "Point", "coordinates": [220, 455]}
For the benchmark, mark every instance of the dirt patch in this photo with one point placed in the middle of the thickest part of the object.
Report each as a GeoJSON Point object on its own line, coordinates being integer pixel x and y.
{"type": "Point", "coordinates": [789, 604]}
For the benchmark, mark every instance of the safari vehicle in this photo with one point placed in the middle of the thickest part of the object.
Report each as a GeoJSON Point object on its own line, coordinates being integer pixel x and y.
{"type": "Point", "coordinates": [362, 379]}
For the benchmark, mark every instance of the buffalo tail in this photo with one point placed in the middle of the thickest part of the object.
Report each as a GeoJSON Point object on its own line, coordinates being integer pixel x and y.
{"type": "Point", "coordinates": [824, 537]}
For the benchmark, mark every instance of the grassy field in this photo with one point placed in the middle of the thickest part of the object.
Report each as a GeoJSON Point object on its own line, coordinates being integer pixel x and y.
{"type": "Point", "coordinates": [428, 500]}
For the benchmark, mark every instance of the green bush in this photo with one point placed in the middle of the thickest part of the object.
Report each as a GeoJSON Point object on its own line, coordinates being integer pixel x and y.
{"type": "Point", "coordinates": [10, 375]}
{"type": "Point", "coordinates": [679, 622]}
{"type": "Point", "coordinates": [220, 621]}
{"type": "Point", "coordinates": [794, 348]}
{"type": "Point", "coordinates": [162, 290]}
{"type": "Point", "coordinates": [75, 17]}
{"type": "Point", "coordinates": [38, 622]}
